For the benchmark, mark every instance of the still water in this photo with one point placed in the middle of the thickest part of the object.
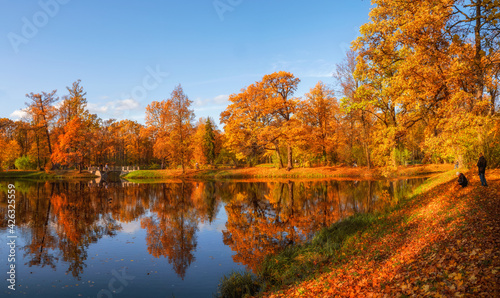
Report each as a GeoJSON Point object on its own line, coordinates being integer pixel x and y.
{"type": "Point", "coordinates": [175, 239]}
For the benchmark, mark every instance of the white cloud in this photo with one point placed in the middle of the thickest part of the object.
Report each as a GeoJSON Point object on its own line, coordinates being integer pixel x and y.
{"type": "Point", "coordinates": [198, 102]}
{"type": "Point", "coordinates": [131, 227]}
{"type": "Point", "coordinates": [318, 74]}
{"type": "Point", "coordinates": [218, 226]}
{"type": "Point", "coordinates": [126, 104]}
{"type": "Point", "coordinates": [96, 109]}
{"type": "Point", "coordinates": [18, 114]}
{"type": "Point", "coordinates": [221, 99]}
{"type": "Point", "coordinates": [115, 108]}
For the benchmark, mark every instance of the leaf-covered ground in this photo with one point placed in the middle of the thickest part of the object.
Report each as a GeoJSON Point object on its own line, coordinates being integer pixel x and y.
{"type": "Point", "coordinates": [444, 242]}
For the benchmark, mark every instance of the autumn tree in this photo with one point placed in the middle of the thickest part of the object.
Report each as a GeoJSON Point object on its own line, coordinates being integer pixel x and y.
{"type": "Point", "coordinates": [245, 122]}
{"type": "Point", "coordinates": [72, 144]}
{"type": "Point", "coordinates": [197, 143]}
{"type": "Point", "coordinates": [126, 143]}
{"type": "Point", "coordinates": [158, 119]}
{"type": "Point", "coordinates": [424, 68]}
{"type": "Point", "coordinates": [209, 141]}
{"type": "Point", "coordinates": [73, 105]}
{"type": "Point", "coordinates": [320, 117]}
{"type": "Point", "coordinates": [403, 75]}
{"type": "Point", "coordinates": [206, 142]}
{"type": "Point", "coordinates": [477, 21]}
{"type": "Point", "coordinates": [41, 109]}
{"type": "Point", "coordinates": [279, 88]}
{"type": "Point", "coordinates": [22, 132]}
{"type": "Point", "coordinates": [9, 153]}
{"type": "Point", "coordinates": [262, 117]}
{"type": "Point", "coordinates": [9, 147]}
{"type": "Point", "coordinates": [76, 127]}
{"type": "Point", "coordinates": [357, 122]}
{"type": "Point", "coordinates": [171, 123]}
{"type": "Point", "coordinates": [7, 128]}
{"type": "Point", "coordinates": [104, 142]}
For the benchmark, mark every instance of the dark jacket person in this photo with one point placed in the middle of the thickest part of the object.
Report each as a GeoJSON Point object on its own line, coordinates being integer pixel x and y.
{"type": "Point", "coordinates": [481, 168]}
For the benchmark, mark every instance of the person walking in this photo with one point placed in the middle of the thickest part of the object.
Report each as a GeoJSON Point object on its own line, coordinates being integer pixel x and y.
{"type": "Point", "coordinates": [481, 168]}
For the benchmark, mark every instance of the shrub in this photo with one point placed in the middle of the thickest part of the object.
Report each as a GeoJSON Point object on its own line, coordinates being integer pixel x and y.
{"type": "Point", "coordinates": [154, 166]}
{"type": "Point", "coordinates": [238, 285]}
{"type": "Point", "coordinates": [25, 162]}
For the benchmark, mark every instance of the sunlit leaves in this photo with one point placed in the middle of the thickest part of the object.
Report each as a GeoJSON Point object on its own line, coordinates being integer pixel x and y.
{"type": "Point", "coordinates": [261, 117]}
{"type": "Point", "coordinates": [170, 122]}
{"type": "Point", "coordinates": [72, 144]}
{"type": "Point", "coordinates": [320, 121]}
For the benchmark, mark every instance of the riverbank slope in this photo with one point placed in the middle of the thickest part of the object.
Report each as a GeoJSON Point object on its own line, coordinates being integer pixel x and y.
{"type": "Point", "coordinates": [443, 241]}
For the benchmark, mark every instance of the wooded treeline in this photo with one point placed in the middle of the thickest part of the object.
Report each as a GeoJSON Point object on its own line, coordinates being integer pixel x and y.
{"type": "Point", "coordinates": [420, 85]}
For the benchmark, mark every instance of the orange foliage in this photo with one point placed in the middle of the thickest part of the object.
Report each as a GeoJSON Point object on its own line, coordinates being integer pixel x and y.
{"type": "Point", "coordinates": [73, 144]}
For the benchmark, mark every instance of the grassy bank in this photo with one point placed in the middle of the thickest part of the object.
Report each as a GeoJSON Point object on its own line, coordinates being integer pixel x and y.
{"type": "Point", "coordinates": [239, 173]}
{"type": "Point", "coordinates": [267, 172]}
{"type": "Point", "coordinates": [443, 240]}
{"type": "Point", "coordinates": [41, 175]}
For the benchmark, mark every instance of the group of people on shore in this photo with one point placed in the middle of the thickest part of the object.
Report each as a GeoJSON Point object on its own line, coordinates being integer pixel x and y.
{"type": "Point", "coordinates": [481, 168]}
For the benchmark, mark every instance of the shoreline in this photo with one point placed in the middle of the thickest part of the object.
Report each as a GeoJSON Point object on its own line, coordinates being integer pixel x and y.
{"type": "Point", "coordinates": [347, 173]}
{"type": "Point", "coordinates": [342, 173]}
{"type": "Point", "coordinates": [44, 176]}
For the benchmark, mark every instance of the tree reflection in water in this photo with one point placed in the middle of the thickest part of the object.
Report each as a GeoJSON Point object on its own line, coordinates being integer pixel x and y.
{"type": "Point", "coordinates": [263, 218]}
{"type": "Point", "coordinates": [171, 230]}
{"type": "Point", "coordinates": [62, 219]}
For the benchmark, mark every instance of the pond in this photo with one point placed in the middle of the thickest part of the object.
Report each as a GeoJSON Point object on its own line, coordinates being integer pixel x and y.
{"type": "Point", "coordinates": [175, 239]}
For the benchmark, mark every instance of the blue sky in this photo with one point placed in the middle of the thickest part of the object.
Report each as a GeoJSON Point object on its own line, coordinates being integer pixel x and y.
{"type": "Point", "coordinates": [129, 53]}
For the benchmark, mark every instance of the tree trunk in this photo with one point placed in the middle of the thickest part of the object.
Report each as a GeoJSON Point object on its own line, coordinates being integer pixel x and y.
{"type": "Point", "coordinates": [365, 137]}
{"type": "Point", "coordinates": [37, 153]}
{"type": "Point", "coordinates": [290, 161]}
{"type": "Point", "coordinates": [280, 166]}
{"type": "Point", "coordinates": [46, 126]}
{"type": "Point", "coordinates": [290, 193]}
{"type": "Point", "coordinates": [48, 139]}
{"type": "Point", "coordinates": [477, 57]}
{"type": "Point", "coordinates": [493, 97]}
{"type": "Point", "coordinates": [324, 154]}
{"type": "Point", "coordinates": [182, 162]}
{"type": "Point", "coordinates": [393, 157]}
{"type": "Point", "coordinates": [367, 153]}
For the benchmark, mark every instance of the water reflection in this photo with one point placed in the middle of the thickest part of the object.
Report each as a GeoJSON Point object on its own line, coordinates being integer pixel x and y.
{"type": "Point", "coordinates": [60, 220]}
{"type": "Point", "coordinates": [263, 218]}
{"type": "Point", "coordinates": [172, 226]}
